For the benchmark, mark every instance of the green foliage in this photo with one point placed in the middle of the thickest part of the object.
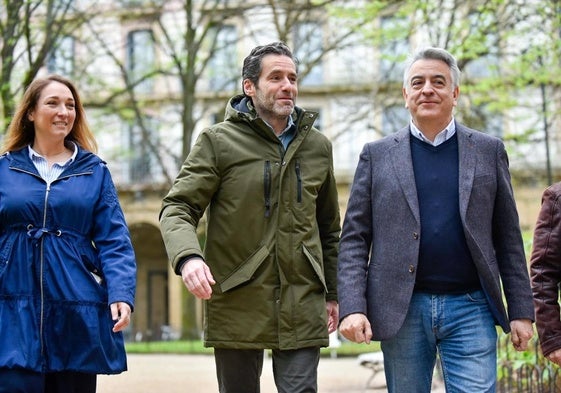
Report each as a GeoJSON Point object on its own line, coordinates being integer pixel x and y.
{"type": "Point", "coordinates": [527, 370]}
{"type": "Point", "coordinates": [196, 347]}
{"type": "Point", "coordinates": [350, 349]}
{"type": "Point", "coordinates": [528, 238]}
{"type": "Point", "coordinates": [176, 347]}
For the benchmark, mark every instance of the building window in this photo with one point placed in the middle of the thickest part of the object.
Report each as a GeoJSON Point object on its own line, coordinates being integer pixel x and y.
{"type": "Point", "coordinates": [216, 117]}
{"type": "Point", "coordinates": [223, 65]}
{"type": "Point", "coordinates": [140, 59]}
{"type": "Point", "coordinates": [394, 48]}
{"type": "Point", "coordinates": [394, 118]}
{"type": "Point", "coordinates": [61, 59]}
{"type": "Point", "coordinates": [142, 143]}
{"type": "Point", "coordinates": [308, 44]}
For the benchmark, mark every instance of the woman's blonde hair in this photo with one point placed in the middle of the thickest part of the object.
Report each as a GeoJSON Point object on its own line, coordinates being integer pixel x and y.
{"type": "Point", "coordinates": [21, 131]}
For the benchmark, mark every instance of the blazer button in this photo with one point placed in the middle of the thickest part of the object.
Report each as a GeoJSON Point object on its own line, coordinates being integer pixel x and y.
{"type": "Point", "coordinates": [415, 235]}
{"type": "Point", "coordinates": [411, 269]}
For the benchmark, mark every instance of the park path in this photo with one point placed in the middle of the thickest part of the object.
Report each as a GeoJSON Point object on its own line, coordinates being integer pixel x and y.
{"type": "Point", "coordinates": [157, 373]}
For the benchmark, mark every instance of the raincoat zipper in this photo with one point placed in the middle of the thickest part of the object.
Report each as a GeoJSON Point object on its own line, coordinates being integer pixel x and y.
{"type": "Point", "coordinates": [267, 187]}
{"type": "Point", "coordinates": [41, 272]}
{"type": "Point", "coordinates": [41, 263]}
{"type": "Point", "coordinates": [298, 182]}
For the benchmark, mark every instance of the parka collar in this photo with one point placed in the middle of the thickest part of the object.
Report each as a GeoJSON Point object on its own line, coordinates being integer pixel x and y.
{"type": "Point", "coordinates": [240, 108]}
{"type": "Point", "coordinates": [84, 162]}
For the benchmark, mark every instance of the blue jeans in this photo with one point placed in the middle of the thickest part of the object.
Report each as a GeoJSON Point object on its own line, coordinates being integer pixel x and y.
{"type": "Point", "coordinates": [460, 328]}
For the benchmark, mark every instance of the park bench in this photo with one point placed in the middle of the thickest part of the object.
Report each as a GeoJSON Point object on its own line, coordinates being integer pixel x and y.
{"type": "Point", "coordinates": [375, 362]}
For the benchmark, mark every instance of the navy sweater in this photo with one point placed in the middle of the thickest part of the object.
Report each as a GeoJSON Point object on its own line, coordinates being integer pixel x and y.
{"type": "Point", "coordinates": [445, 263]}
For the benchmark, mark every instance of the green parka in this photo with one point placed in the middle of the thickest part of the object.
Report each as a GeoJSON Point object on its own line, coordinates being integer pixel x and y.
{"type": "Point", "coordinates": [272, 230]}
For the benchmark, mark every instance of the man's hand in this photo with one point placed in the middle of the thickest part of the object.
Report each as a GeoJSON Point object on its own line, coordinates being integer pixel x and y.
{"type": "Point", "coordinates": [555, 357]}
{"type": "Point", "coordinates": [521, 331]}
{"type": "Point", "coordinates": [355, 327]}
{"type": "Point", "coordinates": [332, 315]}
{"type": "Point", "coordinates": [197, 278]}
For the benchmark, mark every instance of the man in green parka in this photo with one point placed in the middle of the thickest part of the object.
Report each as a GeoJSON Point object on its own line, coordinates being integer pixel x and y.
{"type": "Point", "coordinates": [268, 272]}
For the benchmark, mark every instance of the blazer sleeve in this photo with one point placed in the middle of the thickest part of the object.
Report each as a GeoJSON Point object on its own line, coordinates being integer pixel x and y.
{"type": "Point", "coordinates": [509, 245]}
{"type": "Point", "coordinates": [356, 241]}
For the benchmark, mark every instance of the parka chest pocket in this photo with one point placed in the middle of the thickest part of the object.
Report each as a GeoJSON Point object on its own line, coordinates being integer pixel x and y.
{"type": "Point", "coordinates": [245, 271]}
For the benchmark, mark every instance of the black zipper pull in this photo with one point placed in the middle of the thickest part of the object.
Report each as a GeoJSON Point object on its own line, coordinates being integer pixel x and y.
{"type": "Point", "coordinates": [298, 182]}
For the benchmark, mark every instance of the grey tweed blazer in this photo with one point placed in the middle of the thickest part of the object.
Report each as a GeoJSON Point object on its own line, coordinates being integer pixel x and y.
{"type": "Point", "coordinates": [380, 237]}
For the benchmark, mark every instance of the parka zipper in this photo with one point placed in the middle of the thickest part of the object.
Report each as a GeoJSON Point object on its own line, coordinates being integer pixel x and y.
{"type": "Point", "coordinates": [267, 187]}
{"type": "Point", "coordinates": [41, 271]}
{"type": "Point", "coordinates": [298, 182]}
{"type": "Point", "coordinates": [41, 263]}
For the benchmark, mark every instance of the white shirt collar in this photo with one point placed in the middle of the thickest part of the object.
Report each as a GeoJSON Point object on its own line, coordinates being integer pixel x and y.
{"type": "Point", "coordinates": [441, 137]}
{"type": "Point", "coordinates": [33, 153]}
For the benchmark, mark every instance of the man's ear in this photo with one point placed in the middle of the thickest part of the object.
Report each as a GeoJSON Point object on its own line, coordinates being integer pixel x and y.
{"type": "Point", "coordinates": [248, 88]}
{"type": "Point", "coordinates": [456, 95]}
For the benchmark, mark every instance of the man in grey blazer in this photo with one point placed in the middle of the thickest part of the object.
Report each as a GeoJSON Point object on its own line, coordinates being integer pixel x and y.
{"type": "Point", "coordinates": [430, 235]}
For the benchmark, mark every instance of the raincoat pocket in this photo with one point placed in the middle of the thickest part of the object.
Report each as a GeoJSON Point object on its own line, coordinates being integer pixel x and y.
{"type": "Point", "coordinates": [318, 269]}
{"type": "Point", "coordinates": [244, 272]}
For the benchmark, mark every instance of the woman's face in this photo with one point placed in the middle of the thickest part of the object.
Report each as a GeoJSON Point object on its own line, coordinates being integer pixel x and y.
{"type": "Point", "coordinates": [55, 112]}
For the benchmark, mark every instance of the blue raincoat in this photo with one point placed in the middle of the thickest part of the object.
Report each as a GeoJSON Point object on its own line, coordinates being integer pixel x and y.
{"type": "Point", "coordinates": [65, 256]}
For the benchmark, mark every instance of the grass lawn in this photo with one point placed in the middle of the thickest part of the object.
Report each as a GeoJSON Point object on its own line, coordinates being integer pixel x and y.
{"type": "Point", "coordinates": [196, 347]}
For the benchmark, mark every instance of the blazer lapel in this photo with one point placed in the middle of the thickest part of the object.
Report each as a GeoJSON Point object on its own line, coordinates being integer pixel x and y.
{"type": "Point", "coordinates": [402, 162]}
{"type": "Point", "coordinates": [467, 162]}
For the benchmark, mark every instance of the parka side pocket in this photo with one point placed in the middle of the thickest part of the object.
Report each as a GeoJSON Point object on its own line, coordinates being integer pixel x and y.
{"type": "Point", "coordinates": [245, 271]}
{"type": "Point", "coordinates": [316, 266]}
{"type": "Point", "coordinates": [92, 263]}
{"type": "Point", "coordinates": [5, 252]}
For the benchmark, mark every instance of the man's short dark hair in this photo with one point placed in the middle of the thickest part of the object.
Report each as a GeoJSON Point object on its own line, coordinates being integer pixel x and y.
{"type": "Point", "coordinates": [252, 63]}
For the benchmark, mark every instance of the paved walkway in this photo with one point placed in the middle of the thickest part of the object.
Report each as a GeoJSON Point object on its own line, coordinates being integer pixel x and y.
{"type": "Point", "coordinates": [196, 373]}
